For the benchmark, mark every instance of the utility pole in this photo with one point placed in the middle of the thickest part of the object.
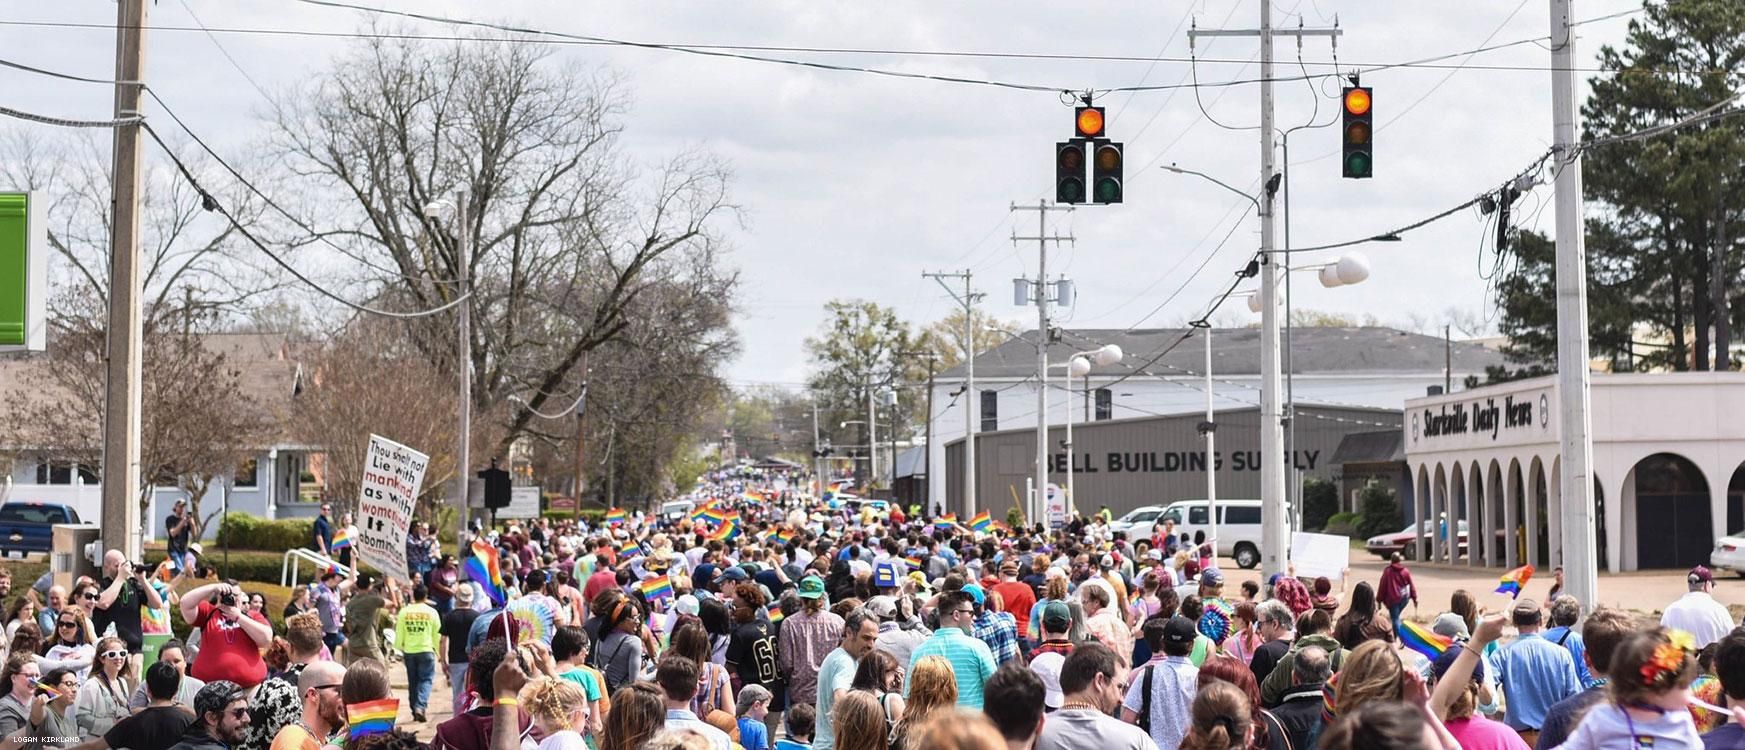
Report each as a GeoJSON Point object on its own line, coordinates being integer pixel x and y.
{"type": "Point", "coordinates": [971, 399]}
{"type": "Point", "coordinates": [121, 403]}
{"type": "Point", "coordinates": [1038, 500]}
{"type": "Point", "coordinates": [463, 275]}
{"type": "Point", "coordinates": [1274, 464]}
{"type": "Point", "coordinates": [1575, 477]}
{"type": "Point", "coordinates": [581, 435]}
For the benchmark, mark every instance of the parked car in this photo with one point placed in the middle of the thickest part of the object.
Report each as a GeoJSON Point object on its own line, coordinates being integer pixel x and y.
{"type": "Point", "coordinates": [1384, 545]}
{"type": "Point", "coordinates": [1238, 527]}
{"type": "Point", "coordinates": [1138, 522]}
{"type": "Point", "coordinates": [1729, 553]}
{"type": "Point", "coordinates": [27, 527]}
{"type": "Point", "coordinates": [676, 510]}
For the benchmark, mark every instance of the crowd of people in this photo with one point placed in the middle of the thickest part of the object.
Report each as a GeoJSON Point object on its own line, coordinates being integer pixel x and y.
{"type": "Point", "coordinates": [771, 620]}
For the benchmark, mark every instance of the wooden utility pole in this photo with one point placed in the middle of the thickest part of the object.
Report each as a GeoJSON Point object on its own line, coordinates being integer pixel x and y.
{"type": "Point", "coordinates": [121, 406]}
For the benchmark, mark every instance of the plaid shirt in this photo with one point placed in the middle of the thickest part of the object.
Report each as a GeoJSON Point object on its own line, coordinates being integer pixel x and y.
{"type": "Point", "coordinates": [1000, 631]}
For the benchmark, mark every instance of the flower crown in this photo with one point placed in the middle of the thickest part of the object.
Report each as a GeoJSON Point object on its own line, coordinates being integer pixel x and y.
{"type": "Point", "coordinates": [1667, 662]}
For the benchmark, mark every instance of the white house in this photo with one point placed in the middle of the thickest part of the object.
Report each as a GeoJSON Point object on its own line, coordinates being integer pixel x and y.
{"type": "Point", "coordinates": [1163, 373]}
{"type": "Point", "coordinates": [276, 482]}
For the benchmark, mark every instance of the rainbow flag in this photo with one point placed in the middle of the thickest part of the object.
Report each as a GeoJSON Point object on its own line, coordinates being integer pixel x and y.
{"type": "Point", "coordinates": [483, 567]}
{"type": "Point", "coordinates": [371, 717]}
{"type": "Point", "coordinates": [783, 536]}
{"type": "Point", "coordinates": [1513, 581]}
{"type": "Point", "coordinates": [616, 516]}
{"type": "Point", "coordinates": [914, 562]}
{"type": "Point", "coordinates": [774, 610]}
{"type": "Point", "coordinates": [728, 529]}
{"type": "Point", "coordinates": [656, 587]}
{"type": "Point", "coordinates": [341, 539]}
{"type": "Point", "coordinates": [981, 522]}
{"type": "Point", "coordinates": [1423, 640]}
{"type": "Point", "coordinates": [702, 511]}
{"type": "Point", "coordinates": [718, 514]}
{"type": "Point", "coordinates": [753, 496]}
{"type": "Point", "coordinates": [54, 693]}
{"type": "Point", "coordinates": [630, 549]}
{"type": "Point", "coordinates": [946, 521]}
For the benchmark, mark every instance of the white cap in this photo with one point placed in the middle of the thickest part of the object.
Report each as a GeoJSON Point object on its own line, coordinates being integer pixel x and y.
{"type": "Point", "coordinates": [1047, 667]}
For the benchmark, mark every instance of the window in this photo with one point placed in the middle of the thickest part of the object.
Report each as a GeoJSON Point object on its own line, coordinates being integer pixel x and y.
{"type": "Point", "coordinates": [1243, 514]}
{"type": "Point", "coordinates": [1197, 515]}
{"type": "Point", "coordinates": [990, 411]}
{"type": "Point", "coordinates": [247, 474]}
{"type": "Point", "coordinates": [1173, 515]}
{"type": "Point", "coordinates": [61, 472]}
{"type": "Point", "coordinates": [1105, 404]}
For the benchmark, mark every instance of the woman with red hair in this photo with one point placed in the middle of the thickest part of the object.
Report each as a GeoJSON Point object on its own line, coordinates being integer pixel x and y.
{"type": "Point", "coordinates": [1269, 734]}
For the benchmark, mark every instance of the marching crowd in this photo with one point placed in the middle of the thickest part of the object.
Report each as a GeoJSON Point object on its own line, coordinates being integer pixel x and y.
{"type": "Point", "coordinates": [767, 620]}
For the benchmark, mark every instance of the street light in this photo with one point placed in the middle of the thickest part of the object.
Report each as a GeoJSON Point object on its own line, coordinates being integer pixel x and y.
{"type": "Point", "coordinates": [463, 280]}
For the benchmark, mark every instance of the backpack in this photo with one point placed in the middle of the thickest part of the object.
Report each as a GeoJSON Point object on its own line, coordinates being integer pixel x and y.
{"type": "Point", "coordinates": [1145, 699]}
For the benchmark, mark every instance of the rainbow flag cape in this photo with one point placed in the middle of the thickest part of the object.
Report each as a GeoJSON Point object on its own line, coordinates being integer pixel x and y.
{"type": "Point", "coordinates": [483, 567]}
{"type": "Point", "coordinates": [371, 717]}
{"type": "Point", "coordinates": [946, 521]}
{"type": "Point", "coordinates": [1423, 640]}
{"type": "Point", "coordinates": [981, 522]}
{"type": "Point", "coordinates": [656, 588]}
{"type": "Point", "coordinates": [616, 516]}
{"type": "Point", "coordinates": [774, 610]}
{"type": "Point", "coordinates": [341, 539]}
{"type": "Point", "coordinates": [1513, 581]}
{"type": "Point", "coordinates": [728, 529]}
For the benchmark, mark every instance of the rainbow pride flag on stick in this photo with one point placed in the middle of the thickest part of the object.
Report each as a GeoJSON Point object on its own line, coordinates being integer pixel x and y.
{"type": "Point", "coordinates": [1513, 581]}
{"type": "Point", "coordinates": [341, 539]}
{"type": "Point", "coordinates": [946, 521]}
{"type": "Point", "coordinates": [728, 529]}
{"type": "Point", "coordinates": [482, 566]}
{"type": "Point", "coordinates": [656, 588]}
{"type": "Point", "coordinates": [981, 522]}
{"type": "Point", "coordinates": [371, 717]}
{"type": "Point", "coordinates": [616, 516]}
{"type": "Point", "coordinates": [774, 610]}
{"type": "Point", "coordinates": [1423, 640]}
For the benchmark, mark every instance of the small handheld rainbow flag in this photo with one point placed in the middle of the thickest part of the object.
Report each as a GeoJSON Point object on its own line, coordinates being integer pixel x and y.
{"type": "Point", "coordinates": [482, 566]}
{"type": "Point", "coordinates": [656, 588]}
{"type": "Point", "coordinates": [702, 511]}
{"type": "Point", "coordinates": [371, 717]}
{"type": "Point", "coordinates": [54, 693]}
{"type": "Point", "coordinates": [716, 513]}
{"type": "Point", "coordinates": [1423, 640]}
{"type": "Point", "coordinates": [728, 529]}
{"type": "Point", "coordinates": [783, 535]}
{"type": "Point", "coordinates": [341, 539]}
{"type": "Point", "coordinates": [774, 610]}
{"type": "Point", "coordinates": [1513, 581]}
{"type": "Point", "coordinates": [946, 521]}
{"type": "Point", "coordinates": [753, 496]}
{"type": "Point", "coordinates": [616, 516]}
{"type": "Point", "coordinates": [630, 549]}
{"type": "Point", "coordinates": [981, 522]}
{"type": "Point", "coordinates": [914, 561]}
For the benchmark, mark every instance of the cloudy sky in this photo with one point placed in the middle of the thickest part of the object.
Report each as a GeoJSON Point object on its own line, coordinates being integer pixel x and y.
{"type": "Point", "coordinates": [855, 184]}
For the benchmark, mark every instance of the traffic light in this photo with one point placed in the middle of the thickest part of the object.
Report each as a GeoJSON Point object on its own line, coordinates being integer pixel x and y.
{"type": "Point", "coordinates": [1359, 161]}
{"type": "Point", "coordinates": [1069, 172]}
{"type": "Point", "coordinates": [1106, 172]}
{"type": "Point", "coordinates": [1089, 122]}
{"type": "Point", "coordinates": [498, 486]}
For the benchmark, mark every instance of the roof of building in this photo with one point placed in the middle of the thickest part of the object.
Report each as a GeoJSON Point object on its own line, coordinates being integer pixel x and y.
{"type": "Point", "coordinates": [1370, 350]}
{"type": "Point", "coordinates": [911, 462]}
{"type": "Point", "coordinates": [1382, 446]}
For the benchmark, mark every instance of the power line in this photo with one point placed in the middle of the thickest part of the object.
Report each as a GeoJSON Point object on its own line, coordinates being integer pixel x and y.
{"type": "Point", "coordinates": [69, 123]}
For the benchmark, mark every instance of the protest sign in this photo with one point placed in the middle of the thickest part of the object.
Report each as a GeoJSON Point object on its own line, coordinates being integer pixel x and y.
{"type": "Point", "coordinates": [389, 492]}
{"type": "Point", "coordinates": [1318, 555]}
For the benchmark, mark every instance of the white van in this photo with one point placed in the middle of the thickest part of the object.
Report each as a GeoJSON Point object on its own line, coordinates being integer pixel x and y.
{"type": "Point", "coordinates": [1238, 527]}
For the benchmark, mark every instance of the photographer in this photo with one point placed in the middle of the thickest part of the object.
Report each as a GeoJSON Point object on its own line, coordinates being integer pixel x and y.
{"type": "Point", "coordinates": [230, 641]}
{"type": "Point", "coordinates": [124, 590]}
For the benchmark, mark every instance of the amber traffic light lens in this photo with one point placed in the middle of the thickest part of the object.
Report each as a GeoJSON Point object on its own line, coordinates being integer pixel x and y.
{"type": "Point", "coordinates": [1072, 158]}
{"type": "Point", "coordinates": [1357, 102]}
{"type": "Point", "coordinates": [1108, 157]}
{"type": "Point", "coordinates": [1357, 134]}
{"type": "Point", "coordinates": [1090, 122]}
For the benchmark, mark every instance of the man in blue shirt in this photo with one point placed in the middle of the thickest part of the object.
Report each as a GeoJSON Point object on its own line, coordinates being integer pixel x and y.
{"type": "Point", "coordinates": [1565, 610]}
{"type": "Point", "coordinates": [322, 533]}
{"type": "Point", "coordinates": [1535, 673]}
{"type": "Point", "coordinates": [971, 661]}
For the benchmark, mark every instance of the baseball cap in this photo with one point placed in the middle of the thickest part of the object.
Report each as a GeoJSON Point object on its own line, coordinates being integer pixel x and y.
{"type": "Point", "coordinates": [885, 576]}
{"type": "Point", "coordinates": [1700, 574]}
{"type": "Point", "coordinates": [216, 695]}
{"type": "Point", "coordinates": [1008, 566]}
{"type": "Point", "coordinates": [1056, 617]}
{"type": "Point", "coordinates": [703, 576]}
{"type": "Point", "coordinates": [1450, 625]}
{"type": "Point", "coordinates": [1179, 630]}
{"type": "Point", "coordinates": [1212, 577]}
{"type": "Point", "coordinates": [734, 573]}
{"type": "Point", "coordinates": [687, 605]}
{"type": "Point", "coordinates": [975, 592]}
{"type": "Point", "coordinates": [919, 579]}
{"type": "Point", "coordinates": [859, 568]}
{"type": "Point", "coordinates": [811, 587]}
{"type": "Point", "coordinates": [1108, 561]}
{"type": "Point", "coordinates": [1445, 660]}
{"type": "Point", "coordinates": [1049, 671]}
{"type": "Point", "coordinates": [1191, 568]}
{"type": "Point", "coordinates": [882, 607]}
{"type": "Point", "coordinates": [1529, 606]}
{"type": "Point", "coordinates": [1155, 554]}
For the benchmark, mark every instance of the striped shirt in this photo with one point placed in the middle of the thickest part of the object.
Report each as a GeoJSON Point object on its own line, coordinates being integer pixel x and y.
{"type": "Point", "coordinates": [971, 663]}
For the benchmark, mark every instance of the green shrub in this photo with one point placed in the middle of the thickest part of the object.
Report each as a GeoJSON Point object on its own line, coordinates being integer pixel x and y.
{"type": "Point", "coordinates": [245, 531]}
{"type": "Point", "coordinates": [1320, 502]}
{"type": "Point", "coordinates": [1342, 524]}
{"type": "Point", "coordinates": [1015, 517]}
{"type": "Point", "coordinates": [1381, 512]}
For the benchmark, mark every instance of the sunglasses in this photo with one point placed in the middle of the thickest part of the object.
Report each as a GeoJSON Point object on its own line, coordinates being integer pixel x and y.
{"type": "Point", "coordinates": [239, 712]}
{"type": "Point", "coordinates": [90, 596]}
{"type": "Point", "coordinates": [115, 654]}
{"type": "Point", "coordinates": [66, 624]}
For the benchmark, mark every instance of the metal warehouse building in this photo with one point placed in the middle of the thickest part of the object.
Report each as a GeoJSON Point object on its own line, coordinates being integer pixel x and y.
{"type": "Point", "coordinates": [1126, 463]}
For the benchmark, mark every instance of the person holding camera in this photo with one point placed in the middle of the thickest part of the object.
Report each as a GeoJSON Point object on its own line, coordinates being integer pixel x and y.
{"type": "Point", "coordinates": [125, 588]}
{"type": "Point", "coordinates": [230, 640]}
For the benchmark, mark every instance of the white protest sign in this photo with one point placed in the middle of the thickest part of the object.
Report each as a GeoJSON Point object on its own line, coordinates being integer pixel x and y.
{"type": "Point", "coordinates": [1318, 555]}
{"type": "Point", "coordinates": [389, 492]}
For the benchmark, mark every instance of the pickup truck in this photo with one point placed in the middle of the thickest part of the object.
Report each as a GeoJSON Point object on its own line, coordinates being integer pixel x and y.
{"type": "Point", "coordinates": [27, 527]}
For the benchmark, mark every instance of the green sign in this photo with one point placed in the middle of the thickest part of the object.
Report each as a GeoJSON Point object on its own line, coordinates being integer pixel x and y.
{"type": "Point", "coordinates": [23, 273]}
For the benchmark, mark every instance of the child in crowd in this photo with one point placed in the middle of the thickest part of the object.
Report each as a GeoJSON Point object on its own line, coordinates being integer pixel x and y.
{"type": "Point", "coordinates": [752, 708]}
{"type": "Point", "coordinates": [801, 719]}
{"type": "Point", "coordinates": [560, 708]}
{"type": "Point", "coordinates": [1647, 698]}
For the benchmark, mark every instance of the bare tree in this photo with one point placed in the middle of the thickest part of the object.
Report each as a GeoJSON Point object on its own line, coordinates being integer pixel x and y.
{"type": "Point", "coordinates": [566, 239]}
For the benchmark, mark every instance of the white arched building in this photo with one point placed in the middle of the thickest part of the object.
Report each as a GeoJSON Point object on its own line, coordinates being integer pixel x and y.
{"type": "Point", "coordinates": [1669, 469]}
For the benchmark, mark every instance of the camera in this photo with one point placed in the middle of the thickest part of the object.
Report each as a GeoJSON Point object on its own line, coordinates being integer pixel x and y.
{"type": "Point", "coordinates": [227, 599]}
{"type": "Point", "coordinates": [143, 568]}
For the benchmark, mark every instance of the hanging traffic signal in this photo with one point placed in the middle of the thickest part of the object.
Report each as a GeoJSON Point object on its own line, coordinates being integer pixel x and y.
{"type": "Point", "coordinates": [1359, 161]}
{"type": "Point", "coordinates": [1106, 172]}
{"type": "Point", "coordinates": [1089, 122]}
{"type": "Point", "coordinates": [1069, 172]}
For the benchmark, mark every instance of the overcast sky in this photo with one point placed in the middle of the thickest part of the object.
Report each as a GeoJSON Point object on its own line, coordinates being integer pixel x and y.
{"type": "Point", "coordinates": [854, 184]}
